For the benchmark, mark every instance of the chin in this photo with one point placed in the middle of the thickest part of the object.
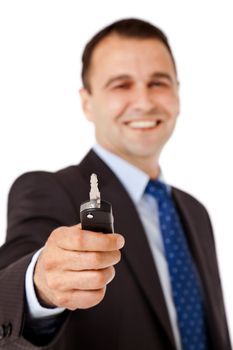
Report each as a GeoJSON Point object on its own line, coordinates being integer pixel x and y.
{"type": "Point", "coordinates": [144, 154]}
{"type": "Point", "coordinates": [145, 148]}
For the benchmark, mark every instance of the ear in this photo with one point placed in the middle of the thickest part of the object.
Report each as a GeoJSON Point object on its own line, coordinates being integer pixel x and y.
{"type": "Point", "coordinates": [86, 101]}
{"type": "Point", "coordinates": [178, 96]}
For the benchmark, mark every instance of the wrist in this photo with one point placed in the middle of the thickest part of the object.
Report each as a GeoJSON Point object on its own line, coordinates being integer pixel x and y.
{"type": "Point", "coordinates": [42, 297]}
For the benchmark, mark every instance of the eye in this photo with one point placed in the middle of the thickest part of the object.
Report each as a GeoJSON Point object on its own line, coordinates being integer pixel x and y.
{"type": "Point", "coordinates": [157, 83]}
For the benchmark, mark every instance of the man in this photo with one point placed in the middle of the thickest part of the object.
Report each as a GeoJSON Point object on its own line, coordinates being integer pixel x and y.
{"type": "Point", "coordinates": [59, 289]}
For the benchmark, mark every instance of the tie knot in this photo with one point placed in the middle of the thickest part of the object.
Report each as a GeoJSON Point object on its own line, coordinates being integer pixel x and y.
{"type": "Point", "coordinates": [157, 189]}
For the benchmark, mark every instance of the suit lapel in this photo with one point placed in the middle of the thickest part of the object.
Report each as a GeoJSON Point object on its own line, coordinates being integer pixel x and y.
{"type": "Point", "coordinates": [136, 253]}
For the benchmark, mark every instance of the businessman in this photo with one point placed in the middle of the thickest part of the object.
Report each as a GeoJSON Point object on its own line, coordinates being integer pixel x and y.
{"type": "Point", "coordinates": [154, 284]}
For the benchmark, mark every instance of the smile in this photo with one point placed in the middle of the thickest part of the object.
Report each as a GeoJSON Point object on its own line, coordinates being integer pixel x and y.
{"type": "Point", "coordinates": [143, 124]}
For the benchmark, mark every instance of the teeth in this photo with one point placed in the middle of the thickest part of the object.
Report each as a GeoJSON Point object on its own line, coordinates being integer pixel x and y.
{"type": "Point", "coordinates": [140, 124]}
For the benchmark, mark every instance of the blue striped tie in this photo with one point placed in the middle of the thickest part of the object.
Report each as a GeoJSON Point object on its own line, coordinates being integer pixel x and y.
{"type": "Point", "coordinates": [186, 288]}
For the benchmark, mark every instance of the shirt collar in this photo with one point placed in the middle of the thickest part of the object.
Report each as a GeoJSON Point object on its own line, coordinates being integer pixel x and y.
{"type": "Point", "coordinates": [133, 179]}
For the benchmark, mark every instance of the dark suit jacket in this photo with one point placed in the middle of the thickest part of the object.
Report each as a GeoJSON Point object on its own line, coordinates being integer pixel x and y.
{"type": "Point", "coordinates": [133, 314]}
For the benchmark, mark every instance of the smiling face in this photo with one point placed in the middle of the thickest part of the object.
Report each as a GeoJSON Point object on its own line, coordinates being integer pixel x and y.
{"type": "Point", "coordinates": [134, 100]}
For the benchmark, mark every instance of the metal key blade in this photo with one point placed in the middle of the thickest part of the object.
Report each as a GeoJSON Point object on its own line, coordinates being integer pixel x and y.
{"type": "Point", "coordinates": [95, 214]}
{"type": "Point", "coordinates": [94, 192]}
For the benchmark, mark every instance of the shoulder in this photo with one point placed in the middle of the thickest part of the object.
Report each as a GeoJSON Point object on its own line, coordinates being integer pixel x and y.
{"type": "Point", "coordinates": [42, 194]}
{"type": "Point", "coordinates": [36, 183]}
{"type": "Point", "coordinates": [189, 202]}
{"type": "Point", "coordinates": [44, 178]}
{"type": "Point", "coordinates": [193, 212]}
{"type": "Point", "coordinates": [71, 181]}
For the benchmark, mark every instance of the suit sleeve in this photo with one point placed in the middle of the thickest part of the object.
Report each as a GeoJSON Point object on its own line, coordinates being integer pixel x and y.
{"type": "Point", "coordinates": [37, 204]}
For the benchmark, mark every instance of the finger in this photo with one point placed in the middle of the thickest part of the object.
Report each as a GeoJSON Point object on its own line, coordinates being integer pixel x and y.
{"type": "Point", "coordinates": [80, 299]}
{"type": "Point", "coordinates": [77, 261]}
{"type": "Point", "coordinates": [82, 280]}
{"type": "Point", "coordinates": [73, 238]}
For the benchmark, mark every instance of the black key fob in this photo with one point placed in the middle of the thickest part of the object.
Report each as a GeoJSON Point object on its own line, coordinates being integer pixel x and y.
{"type": "Point", "coordinates": [96, 219]}
{"type": "Point", "coordinates": [96, 214]}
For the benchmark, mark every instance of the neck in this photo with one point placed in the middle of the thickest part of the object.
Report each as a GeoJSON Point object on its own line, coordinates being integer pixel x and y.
{"type": "Point", "coordinates": [149, 166]}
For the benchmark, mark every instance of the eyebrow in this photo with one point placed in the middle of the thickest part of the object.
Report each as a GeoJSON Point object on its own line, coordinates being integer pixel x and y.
{"type": "Point", "coordinates": [117, 78]}
{"type": "Point", "coordinates": [162, 75]}
{"type": "Point", "coordinates": [121, 77]}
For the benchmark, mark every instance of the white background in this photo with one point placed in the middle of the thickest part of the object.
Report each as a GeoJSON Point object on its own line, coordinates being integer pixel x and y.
{"type": "Point", "coordinates": [41, 123]}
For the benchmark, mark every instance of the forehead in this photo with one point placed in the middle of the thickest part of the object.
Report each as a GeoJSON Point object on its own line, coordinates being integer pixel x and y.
{"type": "Point", "coordinates": [117, 55]}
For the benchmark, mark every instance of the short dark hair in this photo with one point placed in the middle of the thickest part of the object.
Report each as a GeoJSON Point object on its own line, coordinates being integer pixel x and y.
{"type": "Point", "coordinates": [129, 28]}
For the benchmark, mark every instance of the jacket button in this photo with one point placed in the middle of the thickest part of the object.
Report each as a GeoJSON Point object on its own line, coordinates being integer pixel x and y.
{"type": "Point", "coordinates": [2, 332]}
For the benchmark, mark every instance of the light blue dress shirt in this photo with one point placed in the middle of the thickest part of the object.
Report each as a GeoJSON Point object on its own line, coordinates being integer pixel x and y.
{"type": "Point", "coordinates": [135, 181]}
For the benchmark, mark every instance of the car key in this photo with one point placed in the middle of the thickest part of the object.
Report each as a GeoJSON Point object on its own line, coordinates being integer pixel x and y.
{"type": "Point", "coordinates": [96, 214]}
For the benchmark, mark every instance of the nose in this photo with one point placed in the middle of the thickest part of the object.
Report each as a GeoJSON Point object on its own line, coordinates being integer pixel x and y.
{"type": "Point", "coordinates": [142, 99]}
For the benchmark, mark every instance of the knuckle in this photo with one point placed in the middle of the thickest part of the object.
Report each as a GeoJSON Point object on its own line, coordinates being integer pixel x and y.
{"type": "Point", "coordinates": [59, 230]}
{"type": "Point", "coordinates": [96, 297]}
{"type": "Point", "coordinates": [71, 307]}
{"type": "Point", "coordinates": [56, 236]}
{"type": "Point", "coordinates": [95, 259]}
{"type": "Point", "coordinates": [75, 300]}
{"type": "Point", "coordinates": [90, 299]}
{"type": "Point", "coordinates": [49, 264]}
{"type": "Point", "coordinates": [56, 233]}
{"type": "Point", "coordinates": [53, 283]}
{"type": "Point", "coordinates": [112, 242]}
{"type": "Point", "coordinates": [115, 240]}
{"type": "Point", "coordinates": [61, 300]}
{"type": "Point", "coordinates": [79, 240]}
